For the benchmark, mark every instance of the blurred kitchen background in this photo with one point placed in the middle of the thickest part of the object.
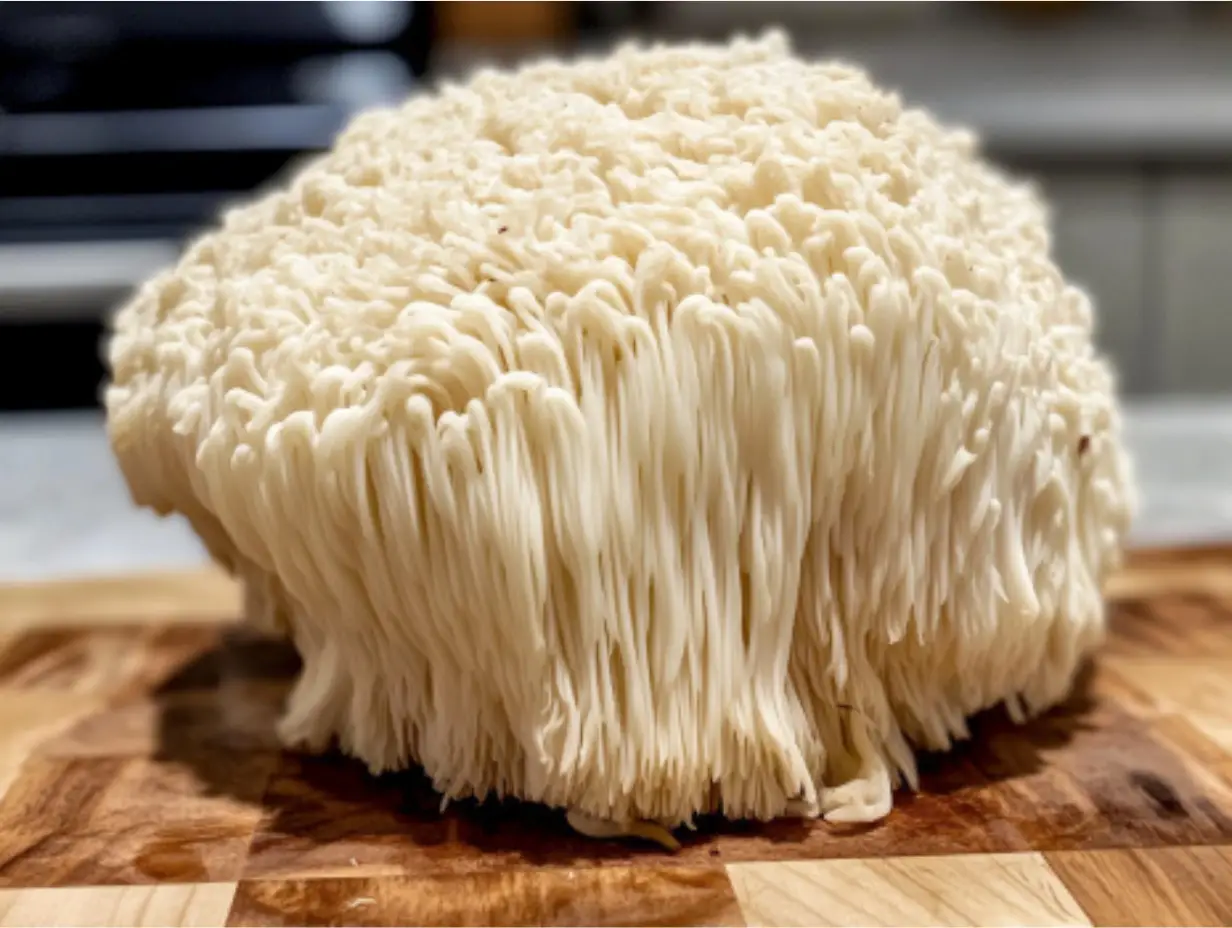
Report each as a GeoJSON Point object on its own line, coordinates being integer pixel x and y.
{"type": "Point", "coordinates": [125, 126]}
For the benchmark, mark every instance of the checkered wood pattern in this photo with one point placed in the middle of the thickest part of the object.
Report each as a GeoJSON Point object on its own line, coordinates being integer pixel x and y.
{"type": "Point", "coordinates": [141, 784]}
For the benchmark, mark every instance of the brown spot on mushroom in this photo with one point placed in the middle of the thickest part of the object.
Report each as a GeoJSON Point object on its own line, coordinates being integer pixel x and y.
{"type": "Point", "coordinates": [502, 230]}
{"type": "Point", "coordinates": [1084, 444]}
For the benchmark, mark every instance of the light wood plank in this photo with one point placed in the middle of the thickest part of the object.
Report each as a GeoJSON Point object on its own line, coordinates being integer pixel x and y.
{"type": "Point", "coordinates": [200, 905]}
{"type": "Point", "coordinates": [1141, 578]}
{"type": "Point", "coordinates": [1199, 691]}
{"type": "Point", "coordinates": [975, 889]}
{"type": "Point", "coordinates": [173, 597]}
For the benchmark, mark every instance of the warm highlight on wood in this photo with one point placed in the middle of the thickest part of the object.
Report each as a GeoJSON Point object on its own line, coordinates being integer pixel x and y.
{"type": "Point", "coordinates": [141, 783]}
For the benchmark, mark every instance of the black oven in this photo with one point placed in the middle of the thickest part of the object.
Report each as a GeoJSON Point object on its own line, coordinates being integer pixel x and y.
{"type": "Point", "coordinates": [124, 127]}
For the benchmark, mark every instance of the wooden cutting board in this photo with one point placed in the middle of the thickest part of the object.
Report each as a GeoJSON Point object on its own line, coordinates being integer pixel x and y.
{"type": "Point", "coordinates": [142, 784]}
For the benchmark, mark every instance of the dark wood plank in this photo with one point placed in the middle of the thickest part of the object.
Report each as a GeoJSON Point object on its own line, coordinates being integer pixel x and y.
{"type": "Point", "coordinates": [157, 783]}
{"type": "Point", "coordinates": [1153, 886]}
{"type": "Point", "coordinates": [108, 661]}
{"type": "Point", "coordinates": [227, 697]}
{"type": "Point", "coordinates": [104, 820]}
{"type": "Point", "coordinates": [1112, 783]}
{"type": "Point", "coordinates": [326, 814]}
{"type": "Point", "coordinates": [956, 811]}
{"type": "Point", "coordinates": [1190, 626]}
{"type": "Point", "coordinates": [1087, 775]}
{"type": "Point", "coordinates": [177, 729]}
{"type": "Point", "coordinates": [611, 896]}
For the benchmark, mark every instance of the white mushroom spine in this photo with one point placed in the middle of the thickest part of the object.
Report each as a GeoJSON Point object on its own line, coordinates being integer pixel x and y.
{"type": "Point", "coordinates": [693, 429]}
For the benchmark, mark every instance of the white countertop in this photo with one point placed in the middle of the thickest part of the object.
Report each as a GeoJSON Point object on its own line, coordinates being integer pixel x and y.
{"type": "Point", "coordinates": [64, 509]}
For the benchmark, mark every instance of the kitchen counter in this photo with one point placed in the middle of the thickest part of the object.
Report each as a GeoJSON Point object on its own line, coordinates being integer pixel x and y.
{"type": "Point", "coordinates": [64, 509]}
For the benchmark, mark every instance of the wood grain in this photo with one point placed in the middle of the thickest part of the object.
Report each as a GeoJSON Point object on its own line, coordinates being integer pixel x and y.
{"type": "Point", "coordinates": [1087, 776]}
{"type": "Point", "coordinates": [28, 720]}
{"type": "Point", "coordinates": [1103, 779]}
{"type": "Point", "coordinates": [625, 896]}
{"type": "Point", "coordinates": [1200, 692]}
{"type": "Point", "coordinates": [101, 821]}
{"type": "Point", "coordinates": [203, 905]}
{"type": "Point", "coordinates": [109, 661]}
{"type": "Point", "coordinates": [977, 889]}
{"type": "Point", "coordinates": [1173, 625]}
{"type": "Point", "coordinates": [1156, 572]}
{"type": "Point", "coordinates": [1151, 886]}
{"type": "Point", "coordinates": [139, 751]}
{"type": "Point", "coordinates": [323, 813]}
